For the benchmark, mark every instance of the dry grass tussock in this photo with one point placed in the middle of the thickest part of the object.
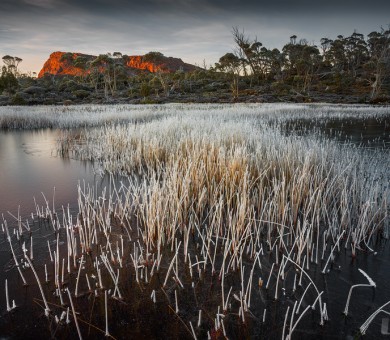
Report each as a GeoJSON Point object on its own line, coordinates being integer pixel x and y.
{"type": "Point", "coordinates": [201, 192]}
{"type": "Point", "coordinates": [237, 176]}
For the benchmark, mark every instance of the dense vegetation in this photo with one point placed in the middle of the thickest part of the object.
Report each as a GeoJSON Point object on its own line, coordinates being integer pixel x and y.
{"type": "Point", "coordinates": [354, 69]}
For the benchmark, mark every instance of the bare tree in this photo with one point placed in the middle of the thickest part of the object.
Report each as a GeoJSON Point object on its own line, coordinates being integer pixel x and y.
{"type": "Point", "coordinates": [244, 48]}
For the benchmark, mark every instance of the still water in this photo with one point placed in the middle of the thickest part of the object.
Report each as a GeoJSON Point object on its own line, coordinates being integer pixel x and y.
{"type": "Point", "coordinates": [30, 168]}
{"type": "Point", "coordinates": [365, 133]}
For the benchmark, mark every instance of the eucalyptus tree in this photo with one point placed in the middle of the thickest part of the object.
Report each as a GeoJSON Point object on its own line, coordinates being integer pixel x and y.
{"type": "Point", "coordinates": [12, 63]}
{"type": "Point", "coordinates": [163, 79]}
{"type": "Point", "coordinates": [356, 53]}
{"type": "Point", "coordinates": [117, 67]}
{"type": "Point", "coordinates": [231, 65]}
{"type": "Point", "coordinates": [8, 81]}
{"type": "Point", "coordinates": [378, 65]}
{"type": "Point", "coordinates": [81, 63]}
{"type": "Point", "coordinates": [103, 64]}
{"type": "Point", "coordinates": [336, 55]}
{"type": "Point", "coordinates": [301, 63]}
{"type": "Point", "coordinates": [252, 54]}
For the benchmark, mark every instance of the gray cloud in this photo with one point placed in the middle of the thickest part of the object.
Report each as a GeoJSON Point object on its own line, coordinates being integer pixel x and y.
{"type": "Point", "coordinates": [191, 29]}
{"type": "Point", "coordinates": [202, 6]}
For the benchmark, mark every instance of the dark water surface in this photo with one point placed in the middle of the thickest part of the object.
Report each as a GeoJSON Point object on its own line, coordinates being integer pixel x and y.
{"type": "Point", "coordinates": [29, 166]}
{"type": "Point", "coordinates": [366, 133]}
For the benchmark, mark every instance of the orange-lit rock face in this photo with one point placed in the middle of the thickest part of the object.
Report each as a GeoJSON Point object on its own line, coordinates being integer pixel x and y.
{"type": "Point", "coordinates": [57, 65]}
{"type": "Point", "coordinates": [138, 63]}
{"type": "Point", "coordinates": [54, 65]}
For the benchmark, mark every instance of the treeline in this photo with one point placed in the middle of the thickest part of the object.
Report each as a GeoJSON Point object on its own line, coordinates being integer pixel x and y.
{"type": "Point", "coordinates": [349, 69]}
{"type": "Point", "coordinates": [339, 65]}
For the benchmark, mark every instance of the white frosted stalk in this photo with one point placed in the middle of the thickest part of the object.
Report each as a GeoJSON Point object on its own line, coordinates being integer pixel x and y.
{"type": "Point", "coordinates": [16, 260]}
{"type": "Point", "coordinates": [269, 277]}
{"type": "Point", "coordinates": [74, 314]}
{"type": "Point", "coordinates": [6, 296]}
{"type": "Point", "coordinates": [88, 283]}
{"type": "Point", "coordinates": [171, 265]}
{"type": "Point", "coordinates": [63, 270]}
{"type": "Point", "coordinates": [46, 277]}
{"type": "Point", "coordinates": [31, 249]}
{"type": "Point", "coordinates": [176, 303]}
{"type": "Point", "coordinates": [47, 309]}
{"type": "Point", "coordinates": [350, 294]}
{"type": "Point", "coordinates": [303, 295]}
{"type": "Point", "coordinates": [296, 323]}
{"type": "Point", "coordinates": [106, 309]}
{"type": "Point", "coordinates": [285, 322]}
{"type": "Point", "coordinates": [199, 317]}
{"type": "Point", "coordinates": [78, 276]}
{"type": "Point", "coordinates": [48, 246]}
{"type": "Point", "coordinates": [193, 331]}
{"type": "Point", "coordinates": [331, 252]}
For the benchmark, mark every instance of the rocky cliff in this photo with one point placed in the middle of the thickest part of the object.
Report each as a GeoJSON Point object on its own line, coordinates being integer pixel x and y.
{"type": "Point", "coordinates": [78, 64]}
{"type": "Point", "coordinates": [58, 65]}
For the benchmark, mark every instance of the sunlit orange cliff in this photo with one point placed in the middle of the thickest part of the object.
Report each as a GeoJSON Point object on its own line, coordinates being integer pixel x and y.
{"type": "Point", "coordinates": [78, 64]}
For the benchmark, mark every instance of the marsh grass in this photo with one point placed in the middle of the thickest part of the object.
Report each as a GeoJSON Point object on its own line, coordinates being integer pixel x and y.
{"type": "Point", "coordinates": [203, 201]}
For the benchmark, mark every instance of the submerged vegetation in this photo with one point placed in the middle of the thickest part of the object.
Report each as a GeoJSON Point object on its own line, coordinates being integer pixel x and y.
{"type": "Point", "coordinates": [215, 223]}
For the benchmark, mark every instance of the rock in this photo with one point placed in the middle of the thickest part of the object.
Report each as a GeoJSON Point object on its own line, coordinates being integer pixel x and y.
{"type": "Point", "coordinates": [57, 65]}
{"type": "Point", "coordinates": [63, 63]}
{"type": "Point", "coordinates": [163, 64]}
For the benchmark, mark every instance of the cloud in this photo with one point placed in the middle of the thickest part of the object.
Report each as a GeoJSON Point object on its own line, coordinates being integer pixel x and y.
{"type": "Point", "coordinates": [42, 3]}
{"type": "Point", "coordinates": [190, 29]}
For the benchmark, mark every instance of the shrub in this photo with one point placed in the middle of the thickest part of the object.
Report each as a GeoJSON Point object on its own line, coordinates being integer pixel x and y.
{"type": "Point", "coordinates": [18, 99]}
{"type": "Point", "coordinates": [81, 94]}
{"type": "Point", "coordinates": [280, 87]}
{"type": "Point", "coordinates": [144, 89]}
{"type": "Point", "coordinates": [153, 57]}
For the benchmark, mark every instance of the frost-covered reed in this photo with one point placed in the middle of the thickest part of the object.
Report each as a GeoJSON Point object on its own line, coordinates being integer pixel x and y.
{"type": "Point", "coordinates": [34, 117]}
{"type": "Point", "coordinates": [210, 168]}
{"type": "Point", "coordinates": [201, 194]}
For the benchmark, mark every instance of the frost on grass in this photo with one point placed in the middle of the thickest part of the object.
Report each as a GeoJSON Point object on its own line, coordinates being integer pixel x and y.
{"type": "Point", "coordinates": [199, 192]}
{"type": "Point", "coordinates": [34, 117]}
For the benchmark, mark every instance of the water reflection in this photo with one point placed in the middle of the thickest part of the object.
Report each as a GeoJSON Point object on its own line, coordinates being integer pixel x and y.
{"type": "Point", "coordinates": [29, 167]}
{"type": "Point", "coordinates": [367, 133]}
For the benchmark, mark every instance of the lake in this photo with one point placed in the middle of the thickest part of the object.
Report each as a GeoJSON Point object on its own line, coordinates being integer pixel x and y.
{"type": "Point", "coordinates": [30, 165]}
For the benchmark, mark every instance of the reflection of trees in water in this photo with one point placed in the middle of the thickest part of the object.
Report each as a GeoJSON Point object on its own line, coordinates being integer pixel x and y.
{"type": "Point", "coordinates": [365, 132]}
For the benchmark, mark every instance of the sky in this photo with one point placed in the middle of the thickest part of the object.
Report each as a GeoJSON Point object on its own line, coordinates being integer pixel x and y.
{"type": "Point", "coordinates": [193, 30]}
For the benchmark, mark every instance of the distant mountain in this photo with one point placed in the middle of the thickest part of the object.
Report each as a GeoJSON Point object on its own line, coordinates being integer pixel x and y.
{"type": "Point", "coordinates": [78, 64]}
